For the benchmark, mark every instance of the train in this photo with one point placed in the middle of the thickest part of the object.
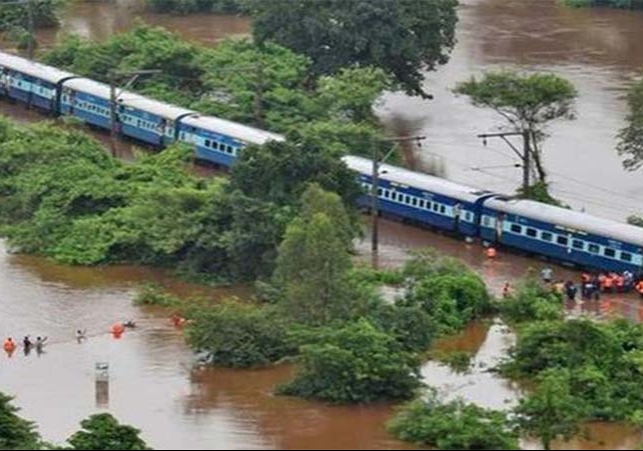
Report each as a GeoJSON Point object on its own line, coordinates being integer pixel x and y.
{"type": "Point", "coordinates": [557, 233]}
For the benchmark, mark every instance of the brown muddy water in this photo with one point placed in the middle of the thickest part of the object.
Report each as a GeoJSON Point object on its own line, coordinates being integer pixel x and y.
{"type": "Point", "coordinates": [153, 381]}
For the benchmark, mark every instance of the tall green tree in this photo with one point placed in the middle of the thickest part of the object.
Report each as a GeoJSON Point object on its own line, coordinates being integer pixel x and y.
{"type": "Point", "coordinates": [15, 432]}
{"type": "Point", "coordinates": [528, 103]}
{"type": "Point", "coordinates": [551, 411]}
{"type": "Point", "coordinates": [403, 37]}
{"type": "Point", "coordinates": [630, 138]}
{"type": "Point", "coordinates": [314, 260]}
{"type": "Point", "coordinates": [104, 432]}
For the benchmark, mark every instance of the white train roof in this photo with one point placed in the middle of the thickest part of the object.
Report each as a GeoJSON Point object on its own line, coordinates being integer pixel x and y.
{"type": "Point", "coordinates": [569, 219]}
{"type": "Point", "coordinates": [239, 131]}
{"type": "Point", "coordinates": [128, 98]}
{"type": "Point", "coordinates": [48, 73]}
{"type": "Point", "coordinates": [88, 86]}
{"type": "Point", "coordinates": [156, 107]}
{"type": "Point", "coordinates": [416, 179]}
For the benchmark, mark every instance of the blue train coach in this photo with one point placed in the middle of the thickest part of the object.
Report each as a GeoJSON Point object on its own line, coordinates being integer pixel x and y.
{"type": "Point", "coordinates": [31, 83]}
{"type": "Point", "coordinates": [218, 140]}
{"type": "Point", "coordinates": [423, 198]}
{"type": "Point", "coordinates": [563, 234]}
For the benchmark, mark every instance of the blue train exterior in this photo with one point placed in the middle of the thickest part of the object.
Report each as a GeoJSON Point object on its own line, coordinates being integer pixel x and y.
{"type": "Point", "coordinates": [31, 83]}
{"type": "Point", "coordinates": [422, 198]}
{"type": "Point", "coordinates": [530, 226]}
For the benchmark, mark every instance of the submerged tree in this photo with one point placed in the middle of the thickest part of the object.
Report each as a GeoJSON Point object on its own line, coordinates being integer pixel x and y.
{"type": "Point", "coordinates": [15, 432]}
{"type": "Point", "coordinates": [527, 102]}
{"type": "Point", "coordinates": [104, 432]}
{"type": "Point", "coordinates": [551, 411]}
{"type": "Point", "coordinates": [630, 138]}
{"type": "Point", "coordinates": [403, 37]}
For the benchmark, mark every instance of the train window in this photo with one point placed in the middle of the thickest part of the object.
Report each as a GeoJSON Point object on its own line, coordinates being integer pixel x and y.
{"type": "Point", "coordinates": [515, 228]}
{"type": "Point", "coordinates": [593, 248]}
{"type": "Point", "coordinates": [443, 209]}
{"type": "Point", "coordinates": [421, 203]}
{"type": "Point", "coordinates": [532, 232]}
{"type": "Point", "coordinates": [609, 252]}
{"type": "Point", "coordinates": [546, 236]}
{"type": "Point", "coordinates": [435, 207]}
{"type": "Point", "coordinates": [485, 221]}
{"type": "Point", "coordinates": [379, 192]}
{"type": "Point", "coordinates": [578, 244]}
{"type": "Point", "coordinates": [562, 240]}
{"type": "Point", "coordinates": [414, 201]}
{"type": "Point", "coordinates": [229, 150]}
{"type": "Point", "coordinates": [208, 143]}
{"type": "Point", "coordinates": [626, 256]}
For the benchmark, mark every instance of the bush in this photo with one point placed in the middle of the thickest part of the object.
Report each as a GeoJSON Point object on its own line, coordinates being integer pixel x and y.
{"type": "Point", "coordinates": [411, 326]}
{"type": "Point", "coordinates": [532, 302]}
{"type": "Point", "coordinates": [152, 294]}
{"type": "Point", "coordinates": [235, 334]}
{"type": "Point", "coordinates": [356, 363]}
{"type": "Point", "coordinates": [604, 363]}
{"type": "Point", "coordinates": [454, 425]}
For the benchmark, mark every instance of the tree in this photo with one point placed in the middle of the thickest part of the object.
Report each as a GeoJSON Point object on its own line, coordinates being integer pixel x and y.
{"type": "Point", "coordinates": [313, 263]}
{"type": "Point", "coordinates": [527, 102]}
{"type": "Point", "coordinates": [402, 37]}
{"type": "Point", "coordinates": [239, 335]}
{"type": "Point", "coordinates": [103, 432]}
{"type": "Point", "coordinates": [356, 363]}
{"type": "Point", "coordinates": [45, 14]}
{"type": "Point", "coordinates": [551, 410]}
{"type": "Point", "coordinates": [454, 425]}
{"type": "Point", "coordinates": [630, 138]}
{"type": "Point", "coordinates": [15, 432]}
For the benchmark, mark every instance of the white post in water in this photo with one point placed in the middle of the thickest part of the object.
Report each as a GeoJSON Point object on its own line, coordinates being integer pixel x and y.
{"type": "Point", "coordinates": [102, 384]}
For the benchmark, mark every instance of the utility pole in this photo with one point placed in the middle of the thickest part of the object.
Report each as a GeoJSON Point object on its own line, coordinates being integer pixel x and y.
{"type": "Point", "coordinates": [375, 178]}
{"type": "Point", "coordinates": [30, 28]}
{"type": "Point", "coordinates": [258, 106]}
{"type": "Point", "coordinates": [525, 155]}
{"type": "Point", "coordinates": [113, 100]}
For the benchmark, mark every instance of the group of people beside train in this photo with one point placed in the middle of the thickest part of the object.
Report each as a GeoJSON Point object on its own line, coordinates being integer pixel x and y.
{"type": "Point", "coordinates": [592, 285]}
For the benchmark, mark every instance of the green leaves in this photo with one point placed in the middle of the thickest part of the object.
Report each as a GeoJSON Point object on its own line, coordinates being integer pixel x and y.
{"type": "Point", "coordinates": [354, 364]}
{"type": "Point", "coordinates": [454, 425]}
{"type": "Point", "coordinates": [630, 137]}
{"type": "Point", "coordinates": [402, 37]}
{"type": "Point", "coordinates": [103, 432]}
{"type": "Point", "coordinates": [15, 432]}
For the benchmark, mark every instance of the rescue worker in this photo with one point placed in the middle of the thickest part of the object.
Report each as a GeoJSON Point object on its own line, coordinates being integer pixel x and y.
{"type": "Point", "coordinates": [505, 290]}
{"type": "Point", "coordinates": [9, 345]}
{"type": "Point", "coordinates": [491, 252]}
{"type": "Point", "coordinates": [639, 288]}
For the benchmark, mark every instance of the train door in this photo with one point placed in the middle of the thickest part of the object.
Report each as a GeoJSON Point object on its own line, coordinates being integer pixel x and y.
{"type": "Point", "coordinates": [500, 222]}
{"type": "Point", "coordinates": [457, 213]}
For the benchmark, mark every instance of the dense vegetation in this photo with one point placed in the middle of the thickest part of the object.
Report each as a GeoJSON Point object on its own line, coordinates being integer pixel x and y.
{"type": "Point", "coordinates": [531, 301]}
{"type": "Point", "coordinates": [601, 363]}
{"type": "Point", "coordinates": [196, 6]}
{"type": "Point", "coordinates": [267, 86]}
{"type": "Point", "coordinates": [624, 4]}
{"type": "Point", "coordinates": [61, 196]}
{"type": "Point", "coordinates": [44, 14]}
{"type": "Point", "coordinates": [98, 432]}
{"type": "Point", "coordinates": [402, 37]}
{"type": "Point", "coordinates": [431, 422]}
{"type": "Point", "coordinates": [630, 143]}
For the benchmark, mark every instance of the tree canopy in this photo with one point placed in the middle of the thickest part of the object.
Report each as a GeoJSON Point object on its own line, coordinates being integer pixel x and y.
{"type": "Point", "coordinates": [15, 432]}
{"type": "Point", "coordinates": [103, 432]}
{"type": "Point", "coordinates": [402, 37]}
{"type": "Point", "coordinates": [527, 103]}
{"type": "Point", "coordinates": [630, 138]}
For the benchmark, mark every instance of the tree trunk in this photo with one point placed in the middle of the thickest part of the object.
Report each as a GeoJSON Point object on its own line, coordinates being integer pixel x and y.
{"type": "Point", "coordinates": [537, 158]}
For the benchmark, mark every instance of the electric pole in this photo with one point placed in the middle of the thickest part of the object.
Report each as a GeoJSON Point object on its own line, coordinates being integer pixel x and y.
{"type": "Point", "coordinates": [375, 178]}
{"type": "Point", "coordinates": [113, 99]}
{"type": "Point", "coordinates": [525, 155]}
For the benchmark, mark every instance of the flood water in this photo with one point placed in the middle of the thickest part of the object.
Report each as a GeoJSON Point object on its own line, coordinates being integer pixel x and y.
{"type": "Point", "coordinates": [153, 382]}
{"type": "Point", "coordinates": [598, 50]}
